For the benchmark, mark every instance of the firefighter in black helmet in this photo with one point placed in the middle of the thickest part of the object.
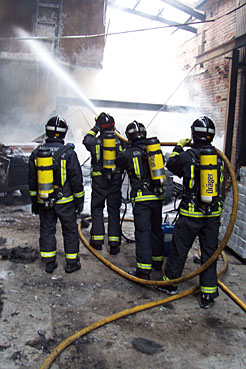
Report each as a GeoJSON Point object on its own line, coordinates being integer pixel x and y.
{"type": "Point", "coordinates": [146, 201]}
{"type": "Point", "coordinates": [199, 210]}
{"type": "Point", "coordinates": [56, 190]}
{"type": "Point", "coordinates": [106, 182]}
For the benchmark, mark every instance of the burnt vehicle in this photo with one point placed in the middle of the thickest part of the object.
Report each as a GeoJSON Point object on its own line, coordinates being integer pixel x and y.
{"type": "Point", "coordinates": [14, 170]}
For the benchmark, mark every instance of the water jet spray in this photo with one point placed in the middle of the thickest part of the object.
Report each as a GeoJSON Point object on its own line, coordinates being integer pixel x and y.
{"type": "Point", "coordinates": [46, 58]}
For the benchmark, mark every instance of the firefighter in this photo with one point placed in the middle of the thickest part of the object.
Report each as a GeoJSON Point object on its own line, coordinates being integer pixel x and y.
{"type": "Point", "coordinates": [146, 202]}
{"type": "Point", "coordinates": [198, 216]}
{"type": "Point", "coordinates": [56, 190]}
{"type": "Point", "coordinates": [101, 141]}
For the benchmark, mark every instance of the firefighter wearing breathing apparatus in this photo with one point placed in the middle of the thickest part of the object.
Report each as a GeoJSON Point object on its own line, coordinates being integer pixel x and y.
{"type": "Point", "coordinates": [200, 207]}
{"type": "Point", "coordinates": [56, 190]}
{"type": "Point", "coordinates": [106, 182]}
{"type": "Point", "coordinates": [144, 163]}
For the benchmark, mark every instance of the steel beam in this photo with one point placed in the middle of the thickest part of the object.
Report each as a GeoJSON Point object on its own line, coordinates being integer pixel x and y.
{"type": "Point", "coordinates": [154, 18]}
{"type": "Point", "coordinates": [125, 105]}
{"type": "Point", "coordinates": [185, 8]}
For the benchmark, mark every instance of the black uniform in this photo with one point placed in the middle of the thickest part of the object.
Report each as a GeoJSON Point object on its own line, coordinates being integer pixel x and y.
{"type": "Point", "coordinates": [195, 219]}
{"type": "Point", "coordinates": [68, 180]}
{"type": "Point", "coordinates": [147, 208]}
{"type": "Point", "coordinates": [103, 190]}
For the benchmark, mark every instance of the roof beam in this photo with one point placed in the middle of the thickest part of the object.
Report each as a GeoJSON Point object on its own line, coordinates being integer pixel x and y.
{"type": "Point", "coordinates": [114, 104]}
{"type": "Point", "coordinates": [185, 8]}
{"type": "Point", "coordinates": [154, 17]}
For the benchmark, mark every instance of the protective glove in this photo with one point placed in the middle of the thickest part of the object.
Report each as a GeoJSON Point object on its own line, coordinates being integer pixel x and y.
{"type": "Point", "coordinates": [184, 142]}
{"type": "Point", "coordinates": [35, 209]}
{"type": "Point", "coordinates": [79, 206]}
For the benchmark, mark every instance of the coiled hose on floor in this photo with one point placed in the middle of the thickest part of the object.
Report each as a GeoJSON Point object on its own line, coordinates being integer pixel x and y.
{"type": "Point", "coordinates": [61, 347]}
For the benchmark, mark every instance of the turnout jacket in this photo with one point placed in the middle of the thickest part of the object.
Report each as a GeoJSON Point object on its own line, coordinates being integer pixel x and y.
{"type": "Point", "coordinates": [185, 164]}
{"type": "Point", "coordinates": [67, 176]}
{"type": "Point", "coordinates": [134, 160]}
{"type": "Point", "coordinates": [95, 146]}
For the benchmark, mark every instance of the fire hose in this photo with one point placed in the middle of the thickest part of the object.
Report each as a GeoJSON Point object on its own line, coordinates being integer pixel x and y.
{"type": "Point", "coordinates": [68, 341]}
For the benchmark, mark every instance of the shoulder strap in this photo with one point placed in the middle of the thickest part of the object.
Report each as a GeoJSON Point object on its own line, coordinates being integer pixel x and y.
{"type": "Point", "coordinates": [62, 150]}
{"type": "Point", "coordinates": [194, 154]}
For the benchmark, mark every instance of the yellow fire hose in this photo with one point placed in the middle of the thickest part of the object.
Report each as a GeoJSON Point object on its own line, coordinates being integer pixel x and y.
{"type": "Point", "coordinates": [68, 341]}
{"type": "Point", "coordinates": [49, 360]}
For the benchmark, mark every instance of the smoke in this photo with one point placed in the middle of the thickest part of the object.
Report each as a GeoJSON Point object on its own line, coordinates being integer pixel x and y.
{"type": "Point", "coordinates": [143, 67]}
{"type": "Point", "coordinates": [31, 96]}
{"type": "Point", "coordinates": [138, 67]}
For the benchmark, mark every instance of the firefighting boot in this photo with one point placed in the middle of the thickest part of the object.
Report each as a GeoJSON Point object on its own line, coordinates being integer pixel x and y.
{"type": "Point", "coordinates": [170, 290]}
{"type": "Point", "coordinates": [96, 246]}
{"type": "Point", "coordinates": [72, 267]}
{"type": "Point", "coordinates": [114, 250]}
{"type": "Point", "coordinates": [157, 265]}
{"type": "Point", "coordinates": [207, 299]}
{"type": "Point", "coordinates": [51, 266]}
{"type": "Point", "coordinates": [140, 275]}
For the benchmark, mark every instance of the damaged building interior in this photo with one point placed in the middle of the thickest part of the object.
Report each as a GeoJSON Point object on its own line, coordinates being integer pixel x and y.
{"type": "Point", "coordinates": [163, 63]}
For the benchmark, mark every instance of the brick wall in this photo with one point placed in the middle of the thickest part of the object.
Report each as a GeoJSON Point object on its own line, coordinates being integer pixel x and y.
{"type": "Point", "coordinates": [208, 84]}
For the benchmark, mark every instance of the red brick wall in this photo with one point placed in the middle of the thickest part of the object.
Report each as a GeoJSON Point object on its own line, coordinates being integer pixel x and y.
{"type": "Point", "coordinates": [208, 84]}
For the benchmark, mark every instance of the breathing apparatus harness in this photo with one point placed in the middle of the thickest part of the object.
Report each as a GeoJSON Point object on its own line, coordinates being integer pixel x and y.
{"type": "Point", "coordinates": [47, 173]}
{"type": "Point", "coordinates": [153, 174]}
{"type": "Point", "coordinates": [109, 153]}
{"type": "Point", "coordinates": [205, 191]}
{"type": "Point", "coordinates": [156, 165]}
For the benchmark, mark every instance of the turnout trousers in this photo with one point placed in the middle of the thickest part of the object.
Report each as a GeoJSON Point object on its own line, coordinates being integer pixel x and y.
{"type": "Point", "coordinates": [109, 192]}
{"type": "Point", "coordinates": [148, 234]}
{"type": "Point", "coordinates": [185, 231]}
{"type": "Point", "coordinates": [47, 241]}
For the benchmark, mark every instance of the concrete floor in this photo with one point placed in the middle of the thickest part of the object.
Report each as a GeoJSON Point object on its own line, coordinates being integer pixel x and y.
{"type": "Point", "coordinates": [38, 310]}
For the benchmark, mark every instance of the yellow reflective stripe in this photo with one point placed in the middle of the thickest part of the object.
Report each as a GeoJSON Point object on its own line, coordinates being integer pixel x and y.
{"type": "Point", "coordinates": [32, 193]}
{"type": "Point", "coordinates": [121, 148]}
{"type": "Point", "coordinates": [192, 176]}
{"type": "Point", "coordinates": [48, 254]}
{"type": "Point", "coordinates": [165, 278]}
{"type": "Point", "coordinates": [157, 258]}
{"type": "Point", "coordinates": [146, 198]}
{"type": "Point", "coordinates": [136, 167]}
{"type": "Point", "coordinates": [114, 238]}
{"type": "Point", "coordinates": [221, 174]}
{"type": "Point", "coordinates": [64, 200]}
{"type": "Point", "coordinates": [208, 289]}
{"type": "Point", "coordinates": [63, 172]}
{"type": "Point", "coordinates": [141, 197]}
{"type": "Point", "coordinates": [199, 214]}
{"type": "Point", "coordinates": [98, 152]}
{"type": "Point", "coordinates": [72, 256]}
{"type": "Point", "coordinates": [97, 238]}
{"type": "Point", "coordinates": [92, 133]}
{"type": "Point", "coordinates": [94, 174]}
{"type": "Point", "coordinates": [191, 208]}
{"type": "Point", "coordinates": [77, 195]}
{"type": "Point", "coordinates": [144, 266]}
{"type": "Point", "coordinates": [174, 153]}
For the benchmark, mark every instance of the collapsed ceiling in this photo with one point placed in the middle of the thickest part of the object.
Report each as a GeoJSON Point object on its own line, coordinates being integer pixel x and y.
{"type": "Point", "coordinates": [170, 12]}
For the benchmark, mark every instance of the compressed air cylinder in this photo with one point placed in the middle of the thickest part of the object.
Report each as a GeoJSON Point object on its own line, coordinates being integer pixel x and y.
{"type": "Point", "coordinates": [45, 173]}
{"type": "Point", "coordinates": [155, 160]}
{"type": "Point", "coordinates": [109, 151]}
{"type": "Point", "coordinates": [208, 174]}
